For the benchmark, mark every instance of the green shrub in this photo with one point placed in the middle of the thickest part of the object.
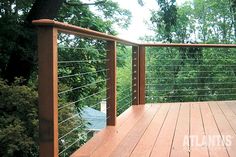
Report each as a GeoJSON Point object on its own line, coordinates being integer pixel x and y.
{"type": "Point", "coordinates": [18, 121]}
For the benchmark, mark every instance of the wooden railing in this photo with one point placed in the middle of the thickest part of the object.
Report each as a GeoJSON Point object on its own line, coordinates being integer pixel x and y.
{"type": "Point", "coordinates": [48, 76]}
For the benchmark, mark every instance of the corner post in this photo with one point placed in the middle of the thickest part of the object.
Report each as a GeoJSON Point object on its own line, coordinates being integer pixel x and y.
{"type": "Point", "coordinates": [111, 83]}
{"type": "Point", "coordinates": [48, 91]}
{"type": "Point", "coordinates": [135, 75]}
{"type": "Point", "coordinates": [142, 74]}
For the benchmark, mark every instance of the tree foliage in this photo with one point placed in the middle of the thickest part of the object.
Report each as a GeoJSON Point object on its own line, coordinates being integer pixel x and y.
{"type": "Point", "coordinates": [199, 21]}
{"type": "Point", "coordinates": [124, 78]}
{"type": "Point", "coordinates": [18, 39]}
{"type": "Point", "coordinates": [192, 74]}
{"type": "Point", "coordinates": [18, 121]}
{"type": "Point", "coordinates": [18, 58]}
{"type": "Point", "coordinates": [165, 19]}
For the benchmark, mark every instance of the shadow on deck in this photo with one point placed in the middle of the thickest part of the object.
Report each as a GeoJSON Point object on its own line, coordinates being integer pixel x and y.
{"type": "Point", "coordinates": [168, 129]}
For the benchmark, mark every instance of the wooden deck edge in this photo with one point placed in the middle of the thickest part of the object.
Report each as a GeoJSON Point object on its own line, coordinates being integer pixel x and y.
{"type": "Point", "coordinates": [95, 142]}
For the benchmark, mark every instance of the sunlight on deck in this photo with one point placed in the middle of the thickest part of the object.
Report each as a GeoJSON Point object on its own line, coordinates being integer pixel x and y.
{"type": "Point", "coordinates": [168, 129]}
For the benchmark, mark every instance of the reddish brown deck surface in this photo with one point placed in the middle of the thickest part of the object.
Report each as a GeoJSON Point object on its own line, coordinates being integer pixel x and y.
{"type": "Point", "coordinates": [168, 129]}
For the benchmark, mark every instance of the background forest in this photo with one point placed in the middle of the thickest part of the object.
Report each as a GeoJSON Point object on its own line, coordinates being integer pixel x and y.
{"type": "Point", "coordinates": [172, 74]}
{"type": "Point", "coordinates": [192, 74]}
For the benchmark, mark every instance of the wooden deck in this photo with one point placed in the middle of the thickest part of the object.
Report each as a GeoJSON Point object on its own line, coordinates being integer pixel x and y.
{"type": "Point", "coordinates": [169, 129]}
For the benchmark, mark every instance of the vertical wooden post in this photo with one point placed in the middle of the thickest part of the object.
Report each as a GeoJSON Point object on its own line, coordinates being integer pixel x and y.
{"type": "Point", "coordinates": [135, 75]}
{"type": "Point", "coordinates": [142, 75]}
{"type": "Point", "coordinates": [111, 83]}
{"type": "Point", "coordinates": [48, 91]}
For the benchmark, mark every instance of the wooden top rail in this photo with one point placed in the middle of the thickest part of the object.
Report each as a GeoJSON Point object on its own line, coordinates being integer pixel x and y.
{"type": "Point", "coordinates": [71, 29]}
{"type": "Point", "coordinates": [189, 45]}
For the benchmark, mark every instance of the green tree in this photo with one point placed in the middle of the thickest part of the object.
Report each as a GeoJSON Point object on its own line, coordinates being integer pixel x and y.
{"type": "Point", "coordinates": [18, 121]}
{"type": "Point", "coordinates": [165, 18]}
{"type": "Point", "coordinates": [124, 78]}
{"type": "Point", "coordinates": [193, 74]}
{"type": "Point", "coordinates": [18, 57]}
{"type": "Point", "coordinates": [17, 35]}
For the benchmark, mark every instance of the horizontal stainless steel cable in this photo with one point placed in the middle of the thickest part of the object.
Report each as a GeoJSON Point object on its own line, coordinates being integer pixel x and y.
{"type": "Point", "coordinates": [170, 71]}
{"type": "Point", "coordinates": [71, 103]}
{"type": "Point", "coordinates": [225, 77]}
{"type": "Point", "coordinates": [125, 90]}
{"type": "Point", "coordinates": [192, 95]}
{"type": "Point", "coordinates": [216, 89]}
{"type": "Point", "coordinates": [129, 95]}
{"type": "Point", "coordinates": [69, 132]}
{"type": "Point", "coordinates": [186, 60]}
{"type": "Point", "coordinates": [79, 48]}
{"type": "Point", "coordinates": [63, 121]}
{"type": "Point", "coordinates": [121, 59]}
{"type": "Point", "coordinates": [83, 61]}
{"type": "Point", "coordinates": [83, 86]}
{"type": "Point", "coordinates": [208, 65]}
{"type": "Point", "coordinates": [196, 53]}
{"type": "Point", "coordinates": [67, 119]}
{"type": "Point", "coordinates": [64, 150]}
{"type": "Point", "coordinates": [83, 73]}
{"type": "Point", "coordinates": [92, 106]}
{"type": "Point", "coordinates": [72, 130]}
{"type": "Point", "coordinates": [230, 83]}
{"type": "Point", "coordinates": [126, 105]}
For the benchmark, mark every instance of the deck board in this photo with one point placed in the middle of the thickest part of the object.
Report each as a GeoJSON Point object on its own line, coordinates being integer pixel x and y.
{"type": "Point", "coordinates": [118, 135]}
{"type": "Point", "coordinates": [211, 129]}
{"type": "Point", "coordinates": [129, 142]}
{"type": "Point", "coordinates": [129, 117]}
{"type": "Point", "coordinates": [228, 113]}
{"type": "Point", "coordinates": [147, 141]}
{"type": "Point", "coordinates": [224, 127]}
{"type": "Point", "coordinates": [197, 130]}
{"type": "Point", "coordinates": [164, 140]}
{"type": "Point", "coordinates": [159, 130]}
{"type": "Point", "coordinates": [182, 132]}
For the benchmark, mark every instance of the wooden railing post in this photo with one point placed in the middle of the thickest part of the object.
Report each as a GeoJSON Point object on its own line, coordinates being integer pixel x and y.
{"type": "Point", "coordinates": [48, 91]}
{"type": "Point", "coordinates": [111, 83]}
{"type": "Point", "coordinates": [142, 75]}
{"type": "Point", "coordinates": [135, 75]}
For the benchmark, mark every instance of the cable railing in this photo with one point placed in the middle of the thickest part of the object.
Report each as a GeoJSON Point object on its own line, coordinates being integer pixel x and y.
{"type": "Point", "coordinates": [79, 91]}
{"type": "Point", "coordinates": [190, 74]}
{"type": "Point", "coordinates": [82, 91]}
{"type": "Point", "coordinates": [87, 77]}
{"type": "Point", "coordinates": [124, 78]}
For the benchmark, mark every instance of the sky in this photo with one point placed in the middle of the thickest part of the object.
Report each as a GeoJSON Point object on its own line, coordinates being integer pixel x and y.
{"type": "Point", "coordinates": [140, 14]}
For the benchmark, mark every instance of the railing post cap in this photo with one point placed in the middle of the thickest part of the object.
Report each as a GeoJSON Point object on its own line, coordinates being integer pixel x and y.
{"type": "Point", "coordinates": [43, 22]}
